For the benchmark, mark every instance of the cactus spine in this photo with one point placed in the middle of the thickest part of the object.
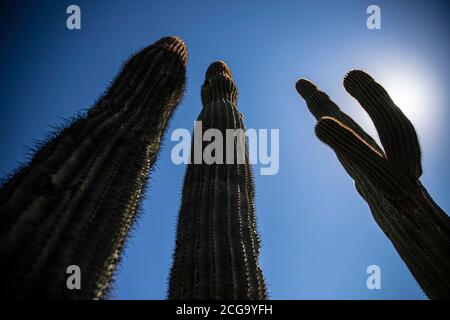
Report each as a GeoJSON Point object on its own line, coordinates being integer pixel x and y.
{"type": "Point", "coordinates": [217, 246]}
{"type": "Point", "coordinates": [76, 200]}
{"type": "Point", "coordinates": [388, 180]}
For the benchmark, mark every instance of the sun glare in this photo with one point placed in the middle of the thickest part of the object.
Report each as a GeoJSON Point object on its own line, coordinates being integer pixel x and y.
{"type": "Point", "coordinates": [411, 94]}
{"type": "Point", "coordinates": [412, 87]}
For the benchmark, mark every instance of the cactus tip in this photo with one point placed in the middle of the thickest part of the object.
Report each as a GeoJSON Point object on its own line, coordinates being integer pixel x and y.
{"type": "Point", "coordinates": [175, 45]}
{"type": "Point", "coordinates": [305, 87]}
{"type": "Point", "coordinates": [356, 76]}
{"type": "Point", "coordinates": [218, 68]}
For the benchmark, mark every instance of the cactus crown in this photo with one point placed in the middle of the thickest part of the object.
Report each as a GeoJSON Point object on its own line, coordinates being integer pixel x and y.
{"type": "Point", "coordinates": [219, 84]}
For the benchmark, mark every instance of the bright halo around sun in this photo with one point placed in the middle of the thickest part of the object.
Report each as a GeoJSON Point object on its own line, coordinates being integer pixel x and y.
{"type": "Point", "coordinates": [413, 89]}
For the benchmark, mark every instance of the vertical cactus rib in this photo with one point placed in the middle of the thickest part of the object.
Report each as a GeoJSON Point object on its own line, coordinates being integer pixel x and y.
{"type": "Point", "coordinates": [76, 200]}
{"type": "Point", "coordinates": [220, 261]}
{"type": "Point", "coordinates": [388, 181]}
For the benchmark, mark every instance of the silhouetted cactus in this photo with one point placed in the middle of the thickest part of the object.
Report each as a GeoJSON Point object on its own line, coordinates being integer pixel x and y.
{"type": "Point", "coordinates": [75, 202]}
{"type": "Point", "coordinates": [217, 247]}
{"type": "Point", "coordinates": [388, 180]}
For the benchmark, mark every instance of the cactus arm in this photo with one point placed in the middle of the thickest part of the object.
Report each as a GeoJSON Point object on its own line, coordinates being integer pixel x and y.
{"type": "Point", "coordinates": [416, 226]}
{"type": "Point", "coordinates": [396, 132]}
{"type": "Point", "coordinates": [320, 105]}
{"type": "Point", "coordinates": [369, 162]}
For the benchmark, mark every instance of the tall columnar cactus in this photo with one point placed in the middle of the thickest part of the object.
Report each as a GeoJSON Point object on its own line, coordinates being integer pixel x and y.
{"type": "Point", "coordinates": [217, 246]}
{"type": "Point", "coordinates": [75, 202]}
{"type": "Point", "coordinates": [388, 179]}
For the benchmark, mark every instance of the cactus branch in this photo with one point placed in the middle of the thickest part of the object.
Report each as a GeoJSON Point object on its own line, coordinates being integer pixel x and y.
{"type": "Point", "coordinates": [417, 227]}
{"type": "Point", "coordinates": [396, 132]}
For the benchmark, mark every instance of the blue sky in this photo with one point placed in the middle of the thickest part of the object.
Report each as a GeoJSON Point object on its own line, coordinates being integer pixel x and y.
{"type": "Point", "coordinates": [318, 235]}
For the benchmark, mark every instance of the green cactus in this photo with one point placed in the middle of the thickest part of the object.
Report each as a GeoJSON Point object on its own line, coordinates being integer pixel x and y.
{"type": "Point", "coordinates": [75, 202]}
{"type": "Point", "coordinates": [217, 246]}
{"type": "Point", "coordinates": [388, 179]}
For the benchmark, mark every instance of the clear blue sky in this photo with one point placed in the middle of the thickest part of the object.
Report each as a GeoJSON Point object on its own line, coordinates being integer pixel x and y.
{"type": "Point", "coordinates": [318, 235]}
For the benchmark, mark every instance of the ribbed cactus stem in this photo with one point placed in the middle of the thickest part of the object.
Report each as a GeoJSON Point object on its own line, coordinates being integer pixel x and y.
{"type": "Point", "coordinates": [388, 181]}
{"type": "Point", "coordinates": [217, 246]}
{"type": "Point", "coordinates": [76, 200]}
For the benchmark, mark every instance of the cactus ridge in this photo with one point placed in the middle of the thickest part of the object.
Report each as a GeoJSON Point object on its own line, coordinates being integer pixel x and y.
{"type": "Point", "coordinates": [217, 246]}
{"type": "Point", "coordinates": [388, 180]}
{"type": "Point", "coordinates": [77, 198]}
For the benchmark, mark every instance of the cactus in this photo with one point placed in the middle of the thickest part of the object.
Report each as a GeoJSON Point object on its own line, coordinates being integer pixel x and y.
{"type": "Point", "coordinates": [75, 201]}
{"type": "Point", "coordinates": [217, 245]}
{"type": "Point", "coordinates": [388, 179]}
